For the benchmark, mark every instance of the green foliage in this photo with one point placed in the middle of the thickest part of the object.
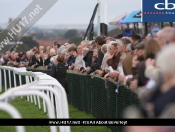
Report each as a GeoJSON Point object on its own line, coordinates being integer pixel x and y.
{"type": "Point", "coordinates": [75, 40]}
{"type": "Point", "coordinates": [4, 35]}
{"type": "Point", "coordinates": [28, 43]}
{"type": "Point", "coordinates": [70, 34]}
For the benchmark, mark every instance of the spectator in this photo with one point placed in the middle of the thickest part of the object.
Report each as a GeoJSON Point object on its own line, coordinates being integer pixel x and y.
{"type": "Point", "coordinates": [60, 50]}
{"type": "Point", "coordinates": [71, 59]}
{"type": "Point", "coordinates": [104, 65]}
{"type": "Point", "coordinates": [128, 50]}
{"type": "Point", "coordinates": [91, 45]}
{"type": "Point", "coordinates": [104, 48]}
{"type": "Point", "coordinates": [13, 58]}
{"type": "Point", "coordinates": [79, 58]}
{"type": "Point", "coordinates": [52, 58]}
{"type": "Point", "coordinates": [124, 66]}
{"type": "Point", "coordinates": [99, 41]}
{"type": "Point", "coordinates": [150, 50]}
{"type": "Point", "coordinates": [115, 56]}
{"type": "Point", "coordinates": [136, 62]}
{"type": "Point", "coordinates": [42, 54]}
{"type": "Point", "coordinates": [5, 60]}
{"type": "Point", "coordinates": [87, 57]}
{"type": "Point", "coordinates": [48, 49]}
{"type": "Point", "coordinates": [73, 45]}
{"type": "Point", "coordinates": [35, 48]}
{"type": "Point", "coordinates": [163, 37]}
{"type": "Point", "coordinates": [94, 60]}
{"type": "Point", "coordinates": [46, 58]}
{"type": "Point", "coordinates": [165, 93]}
{"type": "Point", "coordinates": [148, 36]}
{"type": "Point", "coordinates": [24, 57]}
{"type": "Point", "coordinates": [31, 60]}
{"type": "Point", "coordinates": [56, 46]}
{"type": "Point", "coordinates": [39, 60]}
{"type": "Point", "coordinates": [59, 72]}
{"type": "Point", "coordinates": [41, 48]}
{"type": "Point", "coordinates": [9, 55]}
{"type": "Point", "coordinates": [135, 39]}
{"type": "Point", "coordinates": [109, 39]}
{"type": "Point", "coordinates": [17, 60]}
{"type": "Point", "coordinates": [67, 47]}
{"type": "Point", "coordinates": [85, 43]}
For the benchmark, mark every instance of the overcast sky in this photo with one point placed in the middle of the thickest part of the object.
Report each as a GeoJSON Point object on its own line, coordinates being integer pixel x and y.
{"type": "Point", "coordinates": [69, 12]}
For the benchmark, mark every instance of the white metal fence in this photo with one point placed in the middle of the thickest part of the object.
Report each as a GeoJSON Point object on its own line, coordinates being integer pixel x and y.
{"type": "Point", "coordinates": [37, 85]}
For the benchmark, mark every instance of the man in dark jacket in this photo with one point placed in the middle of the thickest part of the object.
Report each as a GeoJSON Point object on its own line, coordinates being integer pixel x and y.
{"type": "Point", "coordinates": [52, 55]}
{"type": "Point", "coordinates": [39, 60]}
{"type": "Point", "coordinates": [87, 57]}
{"type": "Point", "coordinates": [31, 60]}
{"type": "Point", "coordinates": [99, 41]}
{"type": "Point", "coordinates": [71, 59]}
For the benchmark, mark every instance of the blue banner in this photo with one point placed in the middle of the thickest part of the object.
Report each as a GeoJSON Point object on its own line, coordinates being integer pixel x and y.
{"type": "Point", "coordinates": [158, 10]}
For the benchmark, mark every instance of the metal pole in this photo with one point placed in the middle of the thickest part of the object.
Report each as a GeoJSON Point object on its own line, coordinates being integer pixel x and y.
{"type": "Point", "coordinates": [161, 24]}
{"type": "Point", "coordinates": [106, 12]}
{"type": "Point", "coordinates": [98, 19]}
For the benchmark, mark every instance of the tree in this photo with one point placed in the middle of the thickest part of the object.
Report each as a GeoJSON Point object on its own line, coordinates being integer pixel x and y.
{"type": "Point", "coordinates": [70, 34]}
{"type": "Point", "coordinates": [75, 40]}
{"type": "Point", "coordinates": [29, 41]}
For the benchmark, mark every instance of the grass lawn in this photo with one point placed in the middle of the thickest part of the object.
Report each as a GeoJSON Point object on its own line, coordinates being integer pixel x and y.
{"type": "Point", "coordinates": [29, 110]}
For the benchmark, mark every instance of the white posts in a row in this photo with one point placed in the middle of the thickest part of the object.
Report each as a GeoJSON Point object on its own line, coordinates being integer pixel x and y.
{"type": "Point", "coordinates": [13, 113]}
{"type": "Point", "coordinates": [19, 91]}
{"type": "Point", "coordinates": [42, 84]}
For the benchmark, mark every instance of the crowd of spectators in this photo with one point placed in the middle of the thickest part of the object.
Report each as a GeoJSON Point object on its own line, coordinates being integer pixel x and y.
{"type": "Point", "coordinates": [145, 66]}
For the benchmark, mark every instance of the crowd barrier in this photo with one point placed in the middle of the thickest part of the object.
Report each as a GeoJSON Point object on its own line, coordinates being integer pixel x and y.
{"type": "Point", "coordinates": [19, 82]}
{"type": "Point", "coordinates": [97, 97]}
{"type": "Point", "coordinates": [13, 112]}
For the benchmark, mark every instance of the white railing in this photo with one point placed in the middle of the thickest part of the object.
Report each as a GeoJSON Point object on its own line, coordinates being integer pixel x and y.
{"type": "Point", "coordinates": [43, 85]}
{"type": "Point", "coordinates": [13, 113]}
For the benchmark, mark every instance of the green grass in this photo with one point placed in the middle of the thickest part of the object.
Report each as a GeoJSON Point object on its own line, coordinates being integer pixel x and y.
{"type": "Point", "coordinates": [29, 110]}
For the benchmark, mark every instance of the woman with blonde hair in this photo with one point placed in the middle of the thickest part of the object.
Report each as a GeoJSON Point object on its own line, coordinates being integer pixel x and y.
{"type": "Point", "coordinates": [48, 49]}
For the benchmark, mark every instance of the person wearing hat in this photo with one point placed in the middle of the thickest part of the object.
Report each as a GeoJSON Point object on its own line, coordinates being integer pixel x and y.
{"type": "Point", "coordinates": [136, 63]}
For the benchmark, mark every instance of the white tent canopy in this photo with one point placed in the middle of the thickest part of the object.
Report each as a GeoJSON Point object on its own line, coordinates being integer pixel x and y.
{"type": "Point", "coordinates": [118, 18]}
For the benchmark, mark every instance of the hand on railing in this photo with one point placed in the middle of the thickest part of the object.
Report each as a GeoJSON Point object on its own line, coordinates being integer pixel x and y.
{"type": "Point", "coordinates": [23, 64]}
{"type": "Point", "coordinates": [33, 66]}
{"type": "Point", "coordinates": [10, 63]}
{"type": "Point", "coordinates": [100, 72]}
{"type": "Point", "coordinates": [71, 67]}
{"type": "Point", "coordinates": [121, 78]}
{"type": "Point", "coordinates": [113, 74]}
{"type": "Point", "coordinates": [106, 77]}
{"type": "Point", "coordinates": [133, 84]}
